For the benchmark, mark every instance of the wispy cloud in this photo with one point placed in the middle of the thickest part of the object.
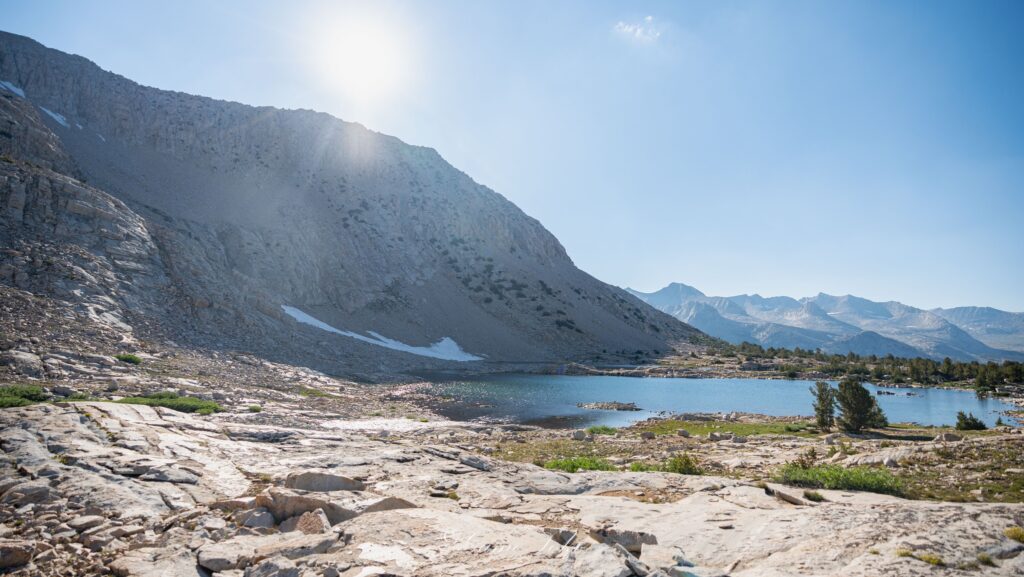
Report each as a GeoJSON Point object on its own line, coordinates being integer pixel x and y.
{"type": "Point", "coordinates": [646, 30]}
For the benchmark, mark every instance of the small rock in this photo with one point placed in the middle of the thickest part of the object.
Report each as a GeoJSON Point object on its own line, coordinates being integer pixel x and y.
{"type": "Point", "coordinates": [647, 435]}
{"type": "Point", "coordinates": [258, 518]}
{"type": "Point", "coordinates": [948, 437]}
{"type": "Point", "coordinates": [683, 433]}
{"type": "Point", "coordinates": [600, 560]}
{"type": "Point", "coordinates": [84, 522]}
{"type": "Point", "coordinates": [578, 435]}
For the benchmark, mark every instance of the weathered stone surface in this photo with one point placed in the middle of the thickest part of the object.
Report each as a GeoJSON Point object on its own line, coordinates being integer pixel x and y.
{"type": "Point", "coordinates": [274, 567]}
{"type": "Point", "coordinates": [317, 481]}
{"type": "Point", "coordinates": [632, 541]}
{"type": "Point", "coordinates": [15, 553]}
{"type": "Point", "coordinates": [948, 437]}
{"type": "Point", "coordinates": [338, 506]}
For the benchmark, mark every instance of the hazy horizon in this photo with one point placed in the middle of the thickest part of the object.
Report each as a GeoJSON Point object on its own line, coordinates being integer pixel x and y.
{"type": "Point", "coordinates": [861, 148]}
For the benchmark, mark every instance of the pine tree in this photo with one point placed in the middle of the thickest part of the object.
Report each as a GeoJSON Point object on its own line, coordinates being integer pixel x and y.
{"type": "Point", "coordinates": [824, 405]}
{"type": "Point", "coordinates": [857, 408]}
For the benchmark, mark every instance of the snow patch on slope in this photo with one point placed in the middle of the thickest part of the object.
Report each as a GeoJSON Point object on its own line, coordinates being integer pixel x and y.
{"type": "Point", "coordinates": [58, 117]}
{"type": "Point", "coordinates": [11, 87]}
{"type": "Point", "coordinates": [446, 348]}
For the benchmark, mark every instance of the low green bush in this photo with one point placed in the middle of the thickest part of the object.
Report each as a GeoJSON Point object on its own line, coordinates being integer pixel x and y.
{"type": "Point", "coordinates": [683, 465]}
{"type": "Point", "coordinates": [129, 358]}
{"type": "Point", "coordinates": [255, 408]}
{"type": "Point", "coordinates": [21, 395]}
{"type": "Point", "coordinates": [175, 402]}
{"type": "Point", "coordinates": [602, 430]}
{"type": "Point", "coordinates": [573, 464]}
{"type": "Point", "coordinates": [871, 479]}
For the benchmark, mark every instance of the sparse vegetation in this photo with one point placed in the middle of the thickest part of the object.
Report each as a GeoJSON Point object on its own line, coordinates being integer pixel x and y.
{"type": "Point", "coordinates": [175, 402]}
{"type": "Point", "coordinates": [683, 465]}
{"type": "Point", "coordinates": [870, 479]}
{"type": "Point", "coordinates": [574, 464]}
{"type": "Point", "coordinates": [696, 428]}
{"type": "Point", "coordinates": [602, 430]}
{"type": "Point", "coordinates": [255, 408]}
{"type": "Point", "coordinates": [129, 358]}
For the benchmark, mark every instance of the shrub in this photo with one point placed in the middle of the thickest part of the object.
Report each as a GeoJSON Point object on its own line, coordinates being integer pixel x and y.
{"type": "Point", "coordinates": [175, 402]}
{"type": "Point", "coordinates": [1015, 533]}
{"type": "Point", "coordinates": [683, 465]}
{"type": "Point", "coordinates": [602, 430]}
{"type": "Point", "coordinates": [129, 358]}
{"type": "Point", "coordinates": [813, 496]}
{"type": "Point", "coordinates": [857, 408]}
{"type": "Point", "coordinates": [870, 479]}
{"type": "Point", "coordinates": [255, 408]}
{"type": "Point", "coordinates": [969, 422]}
{"type": "Point", "coordinates": [932, 559]}
{"type": "Point", "coordinates": [641, 467]}
{"type": "Point", "coordinates": [573, 464]}
{"type": "Point", "coordinates": [986, 559]}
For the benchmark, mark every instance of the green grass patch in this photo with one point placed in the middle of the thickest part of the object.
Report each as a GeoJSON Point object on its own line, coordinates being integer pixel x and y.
{"type": "Point", "coordinates": [129, 358]}
{"type": "Point", "coordinates": [574, 464]}
{"type": "Point", "coordinates": [255, 409]}
{"type": "Point", "coordinates": [175, 402]}
{"type": "Point", "coordinates": [680, 465]}
{"type": "Point", "coordinates": [698, 428]}
{"type": "Point", "coordinates": [312, 393]}
{"type": "Point", "coordinates": [21, 395]}
{"type": "Point", "coordinates": [602, 430]}
{"type": "Point", "coordinates": [871, 479]}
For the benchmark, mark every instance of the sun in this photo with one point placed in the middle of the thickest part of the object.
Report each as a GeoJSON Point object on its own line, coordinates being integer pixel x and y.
{"type": "Point", "coordinates": [362, 58]}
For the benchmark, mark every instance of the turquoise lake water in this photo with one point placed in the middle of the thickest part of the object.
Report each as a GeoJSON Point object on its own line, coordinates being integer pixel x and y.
{"type": "Point", "coordinates": [550, 400]}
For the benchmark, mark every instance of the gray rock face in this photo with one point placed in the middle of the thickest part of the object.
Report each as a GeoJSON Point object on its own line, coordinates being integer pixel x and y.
{"type": "Point", "coordinates": [207, 215]}
{"type": "Point", "coordinates": [15, 553]}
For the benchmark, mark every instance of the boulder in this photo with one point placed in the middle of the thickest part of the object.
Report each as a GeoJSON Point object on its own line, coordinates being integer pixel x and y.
{"type": "Point", "coordinates": [579, 435]}
{"type": "Point", "coordinates": [716, 436]}
{"type": "Point", "coordinates": [37, 491]}
{"type": "Point", "coordinates": [683, 433]}
{"type": "Point", "coordinates": [321, 482]}
{"type": "Point", "coordinates": [23, 363]}
{"type": "Point", "coordinates": [948, 437]}
{"type": "Point", "coordinates": [258, 518]}
{"type": "Point", "coordinates": [647, 436]}
{"type": "Point", "coordinates": [663, 557]}
{"type": "Point", "coordinates": [600, 560]}
{"type": "Point", "coordinates": [15, 552]}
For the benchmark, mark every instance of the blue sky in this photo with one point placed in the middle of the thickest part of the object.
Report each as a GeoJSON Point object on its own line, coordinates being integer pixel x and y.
{"type": "Point", "coordinates": [873, 148]}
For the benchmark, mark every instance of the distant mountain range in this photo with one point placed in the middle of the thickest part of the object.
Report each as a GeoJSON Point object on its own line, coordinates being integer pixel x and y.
{"type": "Point", "coordinates": [842, 324]}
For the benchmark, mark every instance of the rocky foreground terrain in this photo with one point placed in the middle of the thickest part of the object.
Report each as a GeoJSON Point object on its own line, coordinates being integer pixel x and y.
{"type": "Point", "coordinates": [302, 474]}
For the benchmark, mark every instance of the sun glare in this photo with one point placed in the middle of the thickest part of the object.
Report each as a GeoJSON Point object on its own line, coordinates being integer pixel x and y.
{"type": "Point", "coordinates": [364, 60]}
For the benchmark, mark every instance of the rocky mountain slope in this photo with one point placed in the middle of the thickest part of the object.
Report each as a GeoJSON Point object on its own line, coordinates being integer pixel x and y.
{"type": "Point", "coordinates": [289, 233]}
{"type": "Point", "coordinates": [841, 324]}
